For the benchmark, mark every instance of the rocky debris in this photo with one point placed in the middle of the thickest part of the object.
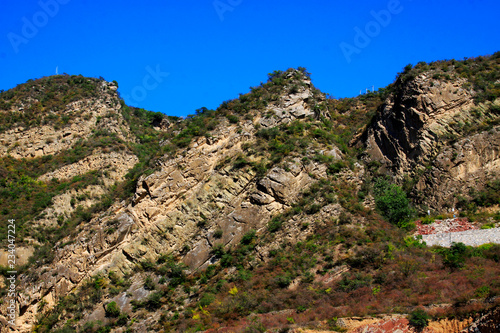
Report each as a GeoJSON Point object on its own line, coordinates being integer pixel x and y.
{"type": "Point", "coordinates": [457, 230]}
{"type": "Point", "coordinates": [398, 324]}
{"type": "Point", "coordinates": [444, 226]}
{"type": "Point", "coordinates": [488, 323]}
{"type": "Point", "coordinates": [469, 237]}
{"type": "Point", "coordinates": [386, 325]}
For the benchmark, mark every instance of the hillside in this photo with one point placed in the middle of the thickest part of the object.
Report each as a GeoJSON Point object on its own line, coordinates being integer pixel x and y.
{"type": "Point", "coordinates": [284, 209]}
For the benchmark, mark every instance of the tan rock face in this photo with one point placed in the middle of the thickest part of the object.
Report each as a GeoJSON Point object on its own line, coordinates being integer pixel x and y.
{"type": "Point", "coordinates": [86, 116]}
{"type": "Point", "coordinates": [177, 209]}
{"type": "Point", "coordinates": [290, 107]}
{"type": "Point", "coordinates": [405, 134]}
{"type": "Point", "coordinates": [467, 164]}
{"type": "Point", "coordinates": [420, 131]}
{"type": "Point", "coordinates": [115, 165]}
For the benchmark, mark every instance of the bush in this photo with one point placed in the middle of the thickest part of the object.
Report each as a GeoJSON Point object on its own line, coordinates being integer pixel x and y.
{"type": "Point", "coordinates": [112, 310]}
{"type": "Point", "coordinates": [207, 299]}
{"type": "Point", "coordinates": [283, 281]}
{"type": "Point", "coordinates": [218, 233]}
{"type": "Point", "coordinates": [454, 257]}
{"type": "Point", "coordinates": [275, 224]}
{"type": "Point", "coordinates": [419, 319]}
{"type": "Point", "coordinates": [154, 300]}
{"type": "Point", "coordinates": [149, 283]}
{"type": "Point", "coordinates": [427, 220]}
{"type": "Point", "coordinates": [232, 119]}
{"type": "Point", "coordinates": [248, 237]}
{"type": "Point", "coordinates": [392, 202]}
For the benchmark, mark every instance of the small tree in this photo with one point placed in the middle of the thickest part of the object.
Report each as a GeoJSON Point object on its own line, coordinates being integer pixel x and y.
{"type": "Point", "coordinates": [392, 203]}
{"type": "Point", "coordinates": [419, 319]}
{"type": "Point", "coordinates": [112, 310]}
{"type": "Point", "coordinates": [454, 257]}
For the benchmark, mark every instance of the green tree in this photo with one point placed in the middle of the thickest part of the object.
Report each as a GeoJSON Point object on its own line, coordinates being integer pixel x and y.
{"type": "Point", "coordinates": [419, 319]}
{"type": "Point", "coordinates": [455, 256]}
{"type": "Point", "coordinates": [112, 310]}
{"type": "Point", "coordinates": [392, 203]}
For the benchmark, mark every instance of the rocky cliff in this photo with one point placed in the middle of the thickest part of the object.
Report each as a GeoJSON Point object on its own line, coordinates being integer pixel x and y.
{"type": "Point", "coordinates": [264, 205]}
{"type": "Point", "coordinates": [431, 130]}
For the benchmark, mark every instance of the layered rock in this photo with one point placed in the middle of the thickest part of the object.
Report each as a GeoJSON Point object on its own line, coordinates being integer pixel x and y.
{"type": "Point", "coordinates": [85, 116]}
{"type": "Point", "coordinates": [177, 210]}
{"type": "Point", "coordinates": [406, 133]}
{"type": "Point", "coordinates": [423, 128]}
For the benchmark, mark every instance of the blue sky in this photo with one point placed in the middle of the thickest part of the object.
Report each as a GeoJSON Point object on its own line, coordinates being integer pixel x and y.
{"type": "Point", "coordinates": [177, 56]}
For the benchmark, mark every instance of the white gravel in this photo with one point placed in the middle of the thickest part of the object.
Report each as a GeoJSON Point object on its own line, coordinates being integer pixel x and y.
{"type": "Point", "coordinates": [468, 237]}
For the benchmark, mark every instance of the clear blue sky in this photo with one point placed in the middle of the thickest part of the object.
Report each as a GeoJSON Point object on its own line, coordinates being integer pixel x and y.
{"type": "Point", "coordinates": [201, 53]}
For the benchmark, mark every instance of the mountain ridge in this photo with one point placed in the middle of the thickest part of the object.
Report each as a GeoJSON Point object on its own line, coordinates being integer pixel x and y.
{"type": "Point", "coordinates": [271, 202]}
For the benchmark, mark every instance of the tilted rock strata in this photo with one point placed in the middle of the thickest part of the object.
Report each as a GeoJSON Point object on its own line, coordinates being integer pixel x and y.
{"type": "Point", "coordinates": [405, 134]}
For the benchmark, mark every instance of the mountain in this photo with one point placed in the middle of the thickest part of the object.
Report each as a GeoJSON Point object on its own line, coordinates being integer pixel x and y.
{"type": "Point", "coordinates": [283, 209]}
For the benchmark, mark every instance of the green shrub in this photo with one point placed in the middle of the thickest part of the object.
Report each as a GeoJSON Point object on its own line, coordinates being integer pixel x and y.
{"type": "Point", "coordinates": [419, 319]}
{"type": "Point", "coordinates": [427, 220]}
{"type": "Point", "coordinates": [233, 119]}
{"type": "Point", "coordinates": [112, 310]}
{"type": "Point", "coordinates": [154, 300]}
{"type": "Point", "coordinates": [275, 224]}
{"type": "Point", "coordinates": [283, 281]}
{"type": "Point", "coordinates": [248, 237]}
{"type": "Point", "coordinates": [218, 233]}
{"type": "Point", "coordinates": [207, 299]}
{"type": "Point", "coordinates": [149, 283]}
{"type": "Point", "coordinates": [454, 257]}
{"type": "Point", "coordinates": [335, 167]}
{"type": "Point", "coordinates": [392, 202]}
{"type": "Point", "coordinates": [122, 319]}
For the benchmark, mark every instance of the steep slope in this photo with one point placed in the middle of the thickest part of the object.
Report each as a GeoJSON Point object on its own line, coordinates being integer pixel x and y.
{"type": "Point", "coordinates": [439, 128]}
{"type": "Point", "coordinates": [66, 147]}
{"type": "Point", "coordinates": [256, 215]}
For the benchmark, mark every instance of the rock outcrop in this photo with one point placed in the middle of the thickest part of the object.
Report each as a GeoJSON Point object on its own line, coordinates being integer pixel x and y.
{"type": "Point", "coordinates": [83, 118]}
{"type": "Point", "coordinates": [207, 195]}
{"type": "Point", "coordinates": [406, 133]}
{"type": "Point", "coordinates": [433, 128]}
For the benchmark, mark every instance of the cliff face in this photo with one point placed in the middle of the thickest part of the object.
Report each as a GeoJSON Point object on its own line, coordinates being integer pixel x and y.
{"type": "Point", "coordinates": [406, 133]}
{"type": "Point", "coordinates": [431, 131]}
{"type": "Point", "coordinates": [64, 138]}
{"type": "Point", "coordinates": [79, 119]}
{"type": "Point", "coordinates": [280, 170]}
{"type": "Point", "coordinates": [178, 209]}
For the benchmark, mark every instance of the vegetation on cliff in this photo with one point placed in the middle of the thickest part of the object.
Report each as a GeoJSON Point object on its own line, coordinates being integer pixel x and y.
{"type": "Point", "coordinates": [358, 256]}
